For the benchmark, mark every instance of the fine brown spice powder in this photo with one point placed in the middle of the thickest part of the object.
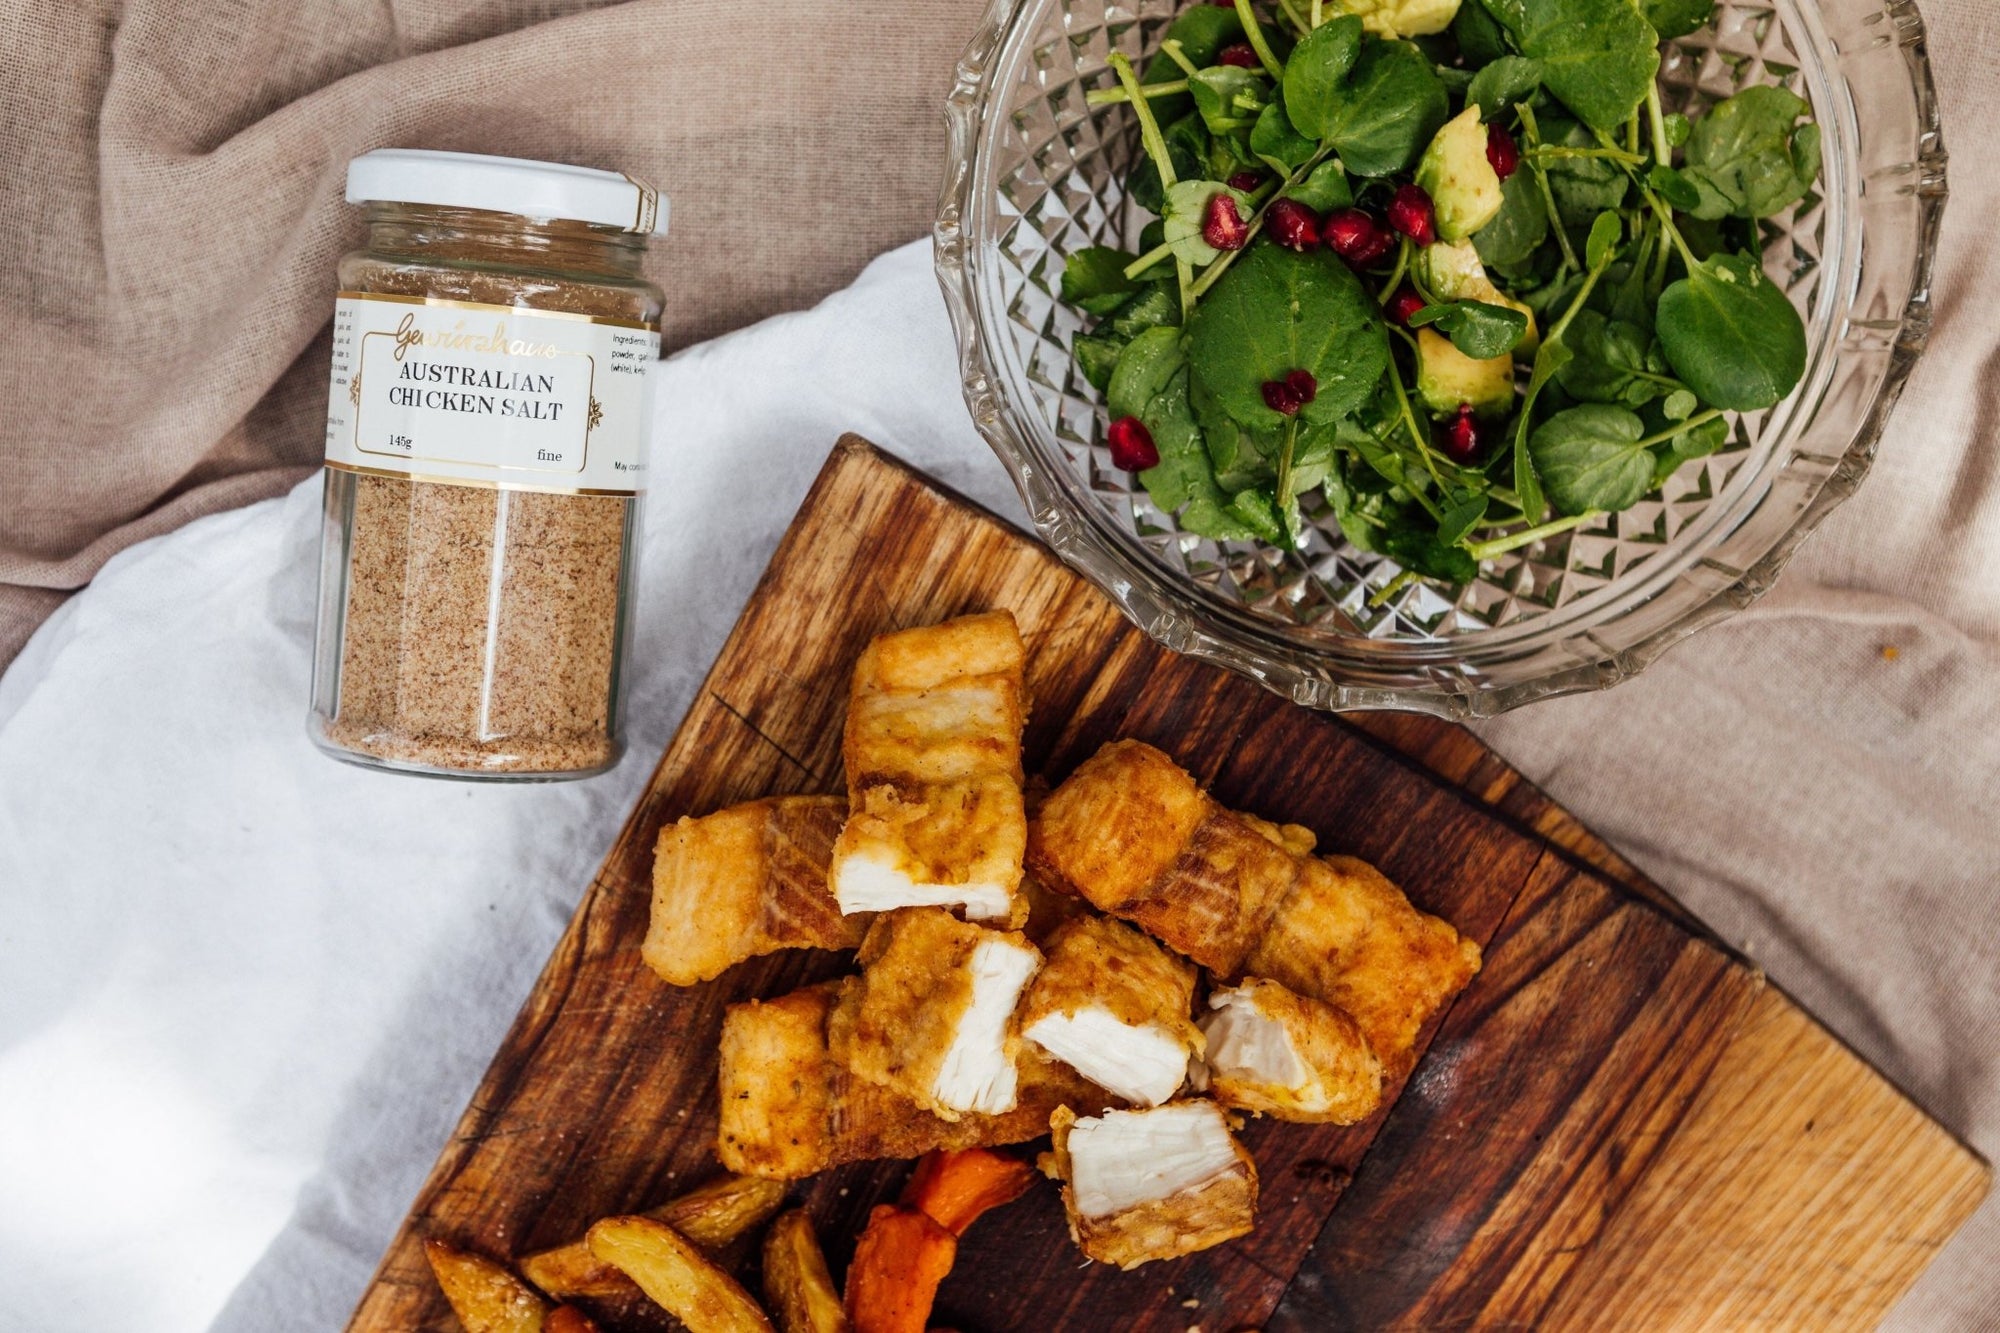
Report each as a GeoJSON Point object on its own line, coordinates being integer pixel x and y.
{"type": "Point", "coordinates": [482, 626]}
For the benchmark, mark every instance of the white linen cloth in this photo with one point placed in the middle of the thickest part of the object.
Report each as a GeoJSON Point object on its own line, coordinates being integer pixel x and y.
{"type": "Point", "coordinates": [245, 991]}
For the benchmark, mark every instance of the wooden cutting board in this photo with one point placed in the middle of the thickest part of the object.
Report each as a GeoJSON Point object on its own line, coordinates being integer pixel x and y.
{"type": "Point", "coordinates": [1619, 1124]}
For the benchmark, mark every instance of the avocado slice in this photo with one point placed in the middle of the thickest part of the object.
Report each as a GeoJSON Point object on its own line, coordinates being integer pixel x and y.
{"type": "Point", "coordinates": [1451, 271]}
{"type": "Point", "coordinates": [1464, 188]}
{"type": "Point", "coordinates": [1447, 377]}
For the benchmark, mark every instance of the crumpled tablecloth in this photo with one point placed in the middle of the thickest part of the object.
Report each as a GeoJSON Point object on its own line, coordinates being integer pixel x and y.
{"type": "Point", "coordinates": [245, 991]}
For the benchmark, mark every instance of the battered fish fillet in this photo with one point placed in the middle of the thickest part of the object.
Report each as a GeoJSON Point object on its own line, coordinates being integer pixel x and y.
{"type": "Point", "coordinates": [1113, 1005]}
{"type": "Point", "coordinates": [1271, 1051]}
{"type": "Point", "coordinates": [931, 1017]}
{"type": "Point", "coordinates": [789, 1109]}
{"type": "Point", "coordinates": [933, 754]}
{"type": "Point", "coordinates": [1156, 1184]}
{"type": "Point", "coordinates": [1135, 835]}
{"type": "Point", "coordinates": [746, 881]}
{"type": "Point", "coordinates": [1348, 936]}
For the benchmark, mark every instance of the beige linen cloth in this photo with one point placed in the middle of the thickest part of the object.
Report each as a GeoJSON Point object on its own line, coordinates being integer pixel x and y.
{"type": "Point", "coordinates": [169, 185]}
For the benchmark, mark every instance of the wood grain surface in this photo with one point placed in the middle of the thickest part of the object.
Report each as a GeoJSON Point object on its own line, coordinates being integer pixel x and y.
{"type": "Point", "coordinates": [1618, 1124]}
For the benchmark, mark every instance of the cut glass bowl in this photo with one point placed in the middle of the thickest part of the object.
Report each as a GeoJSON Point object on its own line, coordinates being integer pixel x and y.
{"type": "Point", "coordinates": [1035, 174]}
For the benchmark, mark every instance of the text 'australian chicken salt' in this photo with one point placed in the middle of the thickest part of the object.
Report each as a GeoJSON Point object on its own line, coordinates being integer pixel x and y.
{"type": "Point", "coordinates": [1124, 963]}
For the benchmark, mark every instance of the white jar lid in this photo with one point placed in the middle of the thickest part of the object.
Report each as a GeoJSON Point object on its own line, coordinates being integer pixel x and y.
{"type": "Point", "coordinates": [517, 185]}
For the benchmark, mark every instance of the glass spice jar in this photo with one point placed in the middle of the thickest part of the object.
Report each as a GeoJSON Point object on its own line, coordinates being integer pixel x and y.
{"type": "Point", "coordinates": [486, 449]}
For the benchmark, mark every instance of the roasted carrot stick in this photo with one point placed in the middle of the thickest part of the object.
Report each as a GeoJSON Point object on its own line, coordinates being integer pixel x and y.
{"type": "Point", "coordinates": [954, 1188]}
{"type": "Point", "coordinates": [899, 1261]}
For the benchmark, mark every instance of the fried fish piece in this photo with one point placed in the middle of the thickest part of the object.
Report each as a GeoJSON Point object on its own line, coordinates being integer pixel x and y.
{"type": "Point", "coordinates": [931, 1016]}
{"type": "Point", "coordinates": [1349, 936]}
{"type": "Point", "coordinates": [746, 881]}
{"type": "Point", "coordinates": [933, 757]}
{"type": "Point", "coordinates": [1272, 1051]}
{"type": "Point", "coordinates": [1153, 1184]}
{"type": "Point", "coordinates": [790, 1109]}
{"type": "Point", "coordinates": [1113, 1005]}
{"type": "Point", "coordinates": [1133, 833]}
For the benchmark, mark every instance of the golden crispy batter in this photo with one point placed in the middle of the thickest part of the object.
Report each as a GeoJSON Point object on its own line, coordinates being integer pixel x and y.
{"type": "Point", "coordinates": [745, 881]}
{"type": "Point", "coordinates": [933, 757]}
{"type": "Point", "coordinates": [789, 1109]}
{"type": "Point", "coordinates": [1134, 834]}
{"type": "Point", "coordinates": [1180, 1182]}
{"type": "Point", "coordinates": [1114, 1005]}
{"type": "Point", "coordinates": [1348, 936]}
{"type": "Point", "coordinates": [1282, 1054]}
{"type": "Point", "coordinates": [931, 1014]}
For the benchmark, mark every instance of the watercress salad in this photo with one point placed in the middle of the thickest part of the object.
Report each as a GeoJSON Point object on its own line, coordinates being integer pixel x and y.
{"type": "Point", "coordinates": [1450, 264]}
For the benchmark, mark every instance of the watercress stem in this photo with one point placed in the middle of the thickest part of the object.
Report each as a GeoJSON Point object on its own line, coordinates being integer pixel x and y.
{"type": "Point", "coordinates": [1527, 114]}
{"type": "Point", "coordinates": [1290, 447]}
{"type": "Point", "coordinates": [1254, 31]}
{"type": "Point", "coordinates": [1514, 541]}
{"type": "Point", "coordinates": [1551, 152]}
{"type": "Point", "coordinates": [1317, 16]}
{"type": "Point", "coordinates": [1663, 152]}
{"type": "Point", "coordinates": [1147, 260]}
{"type": "Point", "coordinates": [1396, 273]}
{"type": "Point", "coordinates": [1177, 54]}
{"type": "Point", "coordinates": [1666, 217]}
{"type": "Point", "coordinates": [1298, 20]}
{"type": "Point", "coordinates": [1680, 428]}
{"type": "Point", "coordinates": [1391, 588]}
{"type": "Point", "coordinates": [1114, 96]}
{"type": "Point", "coordinates": [1149, 128]}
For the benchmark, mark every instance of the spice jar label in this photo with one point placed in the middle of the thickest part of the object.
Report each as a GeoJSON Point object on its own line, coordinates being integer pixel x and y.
{"type": "Point", "coordinates": [489, 394]}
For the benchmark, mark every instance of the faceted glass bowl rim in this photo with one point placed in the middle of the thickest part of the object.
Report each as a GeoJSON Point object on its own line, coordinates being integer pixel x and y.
{"type": "Point", "coordinates": [1465, 674]}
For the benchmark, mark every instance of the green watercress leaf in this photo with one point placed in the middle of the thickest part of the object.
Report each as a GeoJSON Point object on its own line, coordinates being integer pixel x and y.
{"type": "Point", "coordinates": [1598, 57]}
{"type": "Point", "coordinates": [1421, 552]}
{"type": "Point", "coordinates": [1462, 518]}
{"type": "Point", "coordinates": [1144, 367]}
{"type": "Point", "coordinates": [1610, 358]}
{"type": "Point", "coordinates": [1317, 71]}
{"type": "Point", "coordinates": [1217, 91]}
{"type": "Point", "coordinates": [1503, 82]}
{"type": "Point", "coordinates": [1744, 157]}
{"type": "Point", "coordinates": [1678, 128]}
{"type": "Point", "coordinates": [1381, 117]}
{"type": "Point", "coordinates": [1679, 405]}
{"type": "Point", "coordinates": [1480, 330]}
{"type": "Point", "coordinates": [1731, 336]}
{"type": "Point", "coordinates": [1277, 144]}
{"type": "Point", "coordinates": [1606, 230]}
{"type": "Point", "coordinates": [1677, 18]}
{"type": "Point", "coordinates": [1186, 207]}
{"type": "Point", "coordinates": [1276, 311]}
{"type": "Point", "coordinates": [1202, 31]}
{"type": "Point", "coordinates": [1550, 358]}
{"type": "Point", "coordinates": [1324, 189]}
{"type": "Point", "coordinates": [1258, 512]}
{"type": "Point", "coordinates": [1481, 39]}
{"type": "Point", "coordinates": [1518, 229]}
{"type": "Point", "coordinates": [1096, 356]}
{"type": "Point", "coordinates": [1589, 458]}
{"type": "Point", "coordinates": [1182, 481]}
{"type": "Point", "coordinates": [1583, 186]}
{"type": "Point", "coordinates": [1674, 187]}
{"type": "Point", "coordinates": [1158, 304]}
{"type": "Point", "coordinates": [1697, 442]}
{"type": "Point", "coordinates": [1094, 278]}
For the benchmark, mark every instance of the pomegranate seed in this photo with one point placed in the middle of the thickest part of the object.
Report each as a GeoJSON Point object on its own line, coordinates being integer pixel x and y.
{"type": "Point", "coordinates": [1292, 224]}
{"type": "Point", "coordinates": [1246, 181]}
{"type": "Point", "coordinates": [1460, 439]}
{"type": "Point", "coordinates": [1222, 226]}
{"type": "Point", "coordinates": [1411, 213]}
{"type": "Point", "coordinates": [1288, 395]}
{"type": "Point", "coordinates": [1357, 236]}
{"type": "Point", "coordinates": [1502, 153]}
{"type": "Point", "coordinates": [1132, 447]}
{"type": "Point", "coordinates": [1240, 55]}
{"type": "Point", "coordinates": [1404, 304]}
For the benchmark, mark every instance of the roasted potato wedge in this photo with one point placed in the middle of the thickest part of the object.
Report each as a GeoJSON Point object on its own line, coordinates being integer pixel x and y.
{"type": "Point", "coordinates": [483, 1294]}
{"type": "Point", "coordinates": [797, 1286]}
{"type": "Point", "coordinates": [677, 1276]}
{"type": "Point", "coordinates": [569, 1319]}
{"type": "Point", "coordinates": [710, 1215]}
